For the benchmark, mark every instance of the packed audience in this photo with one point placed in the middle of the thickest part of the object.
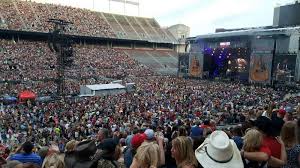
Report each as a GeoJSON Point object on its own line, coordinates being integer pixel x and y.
{"type": "Point", "coordinates": [166, 122]}
{"type": "Point", "coordinates": [31, 65]}
{"type": "Point", "coordinates": [25, 15]}
{"type": "Point", "coordinates": [31, 16]}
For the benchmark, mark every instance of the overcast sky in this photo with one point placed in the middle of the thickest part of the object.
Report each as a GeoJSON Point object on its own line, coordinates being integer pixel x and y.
{"type": "Point", "coordinates": [202, 16]}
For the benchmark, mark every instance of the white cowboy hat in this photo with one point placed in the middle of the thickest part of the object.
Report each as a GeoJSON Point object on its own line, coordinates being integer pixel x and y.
{"type": "Point", "coordinates": [218, 151]}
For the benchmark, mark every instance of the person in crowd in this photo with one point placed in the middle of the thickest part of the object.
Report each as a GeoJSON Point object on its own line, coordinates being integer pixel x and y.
{"type": "Point", "coordinates": [253, 140]}
{"type": "Point", "coordinates": [277, 121]}
{"type": "Point", "coordinates": [274, 144]}
{"type": "Point", "coordinates": [218, 151]}
{"type": "Point", "coordinates": [110, 154]}
{"type": "Point", "coordinates": [237, 137]}
{"type": "Point", "coordinates": [289, 138]}
{"type": "Point", "coordinates": [71, 146]}
{"type": "Point", "coordinates": [147, 156]}
{"type": "Point", "coordinates": [42, 152]}
{"type": "Point", "coordinates": [182, 152]}
{"type": "Point", "coordinates": [27, 156]}
{"type": "Point", "coordinates": [84, 155]}
{"type": "Point", "coordinates": [103, 134]}
{"type": "Point", "coordinates": [136, 141]}
{"type": "Point", "coordinates": [196, 131]}
{"type": "Point", "coordinates": [13, 164]}
{"type": "Point", "coordinates": [53, 158]}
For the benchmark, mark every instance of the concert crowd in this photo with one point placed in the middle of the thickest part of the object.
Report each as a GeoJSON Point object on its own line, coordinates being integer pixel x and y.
{"type": "Point", "coordinates": [160, 113]}
{"type": "Point", "coordinates": [165, 122]}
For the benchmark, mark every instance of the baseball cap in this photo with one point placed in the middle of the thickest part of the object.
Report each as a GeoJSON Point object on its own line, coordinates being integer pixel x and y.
{"type": "Point", "coordinates": [149, 134]}
{"type": "Point", "coordinates": [137, 140]}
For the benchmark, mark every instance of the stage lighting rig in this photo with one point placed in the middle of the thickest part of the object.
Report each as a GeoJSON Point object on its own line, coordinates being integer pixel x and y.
{"type": "Point", "coordinates": [62, 45]}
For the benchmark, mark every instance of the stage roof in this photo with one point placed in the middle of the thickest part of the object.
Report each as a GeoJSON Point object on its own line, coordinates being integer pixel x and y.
{"type": "Point", "coordinates": [252, 32]}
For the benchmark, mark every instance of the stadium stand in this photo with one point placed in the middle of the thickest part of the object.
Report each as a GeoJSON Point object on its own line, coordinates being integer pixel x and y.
{"type": "Point", "coordinates": [127, 27]}
{"type": "Point", "coordinates": [33, 62]}
{"type": "Point", "coordinates": [32, 16]}
{"type": "Point", "coordinates": [163, 62]}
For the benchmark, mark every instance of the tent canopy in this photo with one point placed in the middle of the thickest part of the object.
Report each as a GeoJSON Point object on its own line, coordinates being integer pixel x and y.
{"type": "Point", "coordinates": [9, 98]}
{"type": "Point", "coordinates": [25, 95]}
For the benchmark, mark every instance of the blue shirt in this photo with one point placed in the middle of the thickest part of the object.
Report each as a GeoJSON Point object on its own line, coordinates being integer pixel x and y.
{"type": "Point", "coordinates": [27, 158]}
{"type": "Point", "coordinates": [128, 157]}
{"type": "Point", "coordinates": [238, 141]}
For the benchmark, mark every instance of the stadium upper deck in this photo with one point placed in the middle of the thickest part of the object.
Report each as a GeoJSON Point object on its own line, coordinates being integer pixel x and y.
{"type": "Point", "coordinates": [32, 16]}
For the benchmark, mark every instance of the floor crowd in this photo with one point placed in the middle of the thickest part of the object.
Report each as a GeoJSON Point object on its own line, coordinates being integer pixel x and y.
{"type": "Point", "coordinates": [165, 122]}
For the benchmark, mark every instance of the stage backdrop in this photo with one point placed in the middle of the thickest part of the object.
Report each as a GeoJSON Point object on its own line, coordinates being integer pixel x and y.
{"type": "Point", "coordinates": [196, 60]}
{"type": "Point", "coordinates": [261, 61]}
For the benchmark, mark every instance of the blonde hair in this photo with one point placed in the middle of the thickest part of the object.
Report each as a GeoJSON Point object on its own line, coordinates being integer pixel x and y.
{"type": "Point", "coordinates": [148, 154]}
{"type": "Point", "coordinates": [53, 161]}
{"type": "Point", "coordinates": [184, 147]}
{"type": "Point", "coordinates": [252, 140]}
{"type": "Point", "coordinates": [71, 145]}
{"type": "Point", "coordinates": [288, 134]}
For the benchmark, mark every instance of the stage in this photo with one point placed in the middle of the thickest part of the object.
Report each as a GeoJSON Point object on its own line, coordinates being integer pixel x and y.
{"type": "Point", "coordinates": [264, 56]}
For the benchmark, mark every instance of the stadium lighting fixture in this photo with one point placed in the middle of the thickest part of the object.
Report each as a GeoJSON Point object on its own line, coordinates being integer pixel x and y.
{"type": "Point", "coordinates": [125, 2]}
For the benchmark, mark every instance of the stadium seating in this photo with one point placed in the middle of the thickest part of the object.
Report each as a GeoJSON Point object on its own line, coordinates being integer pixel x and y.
{"type": "Point", "coordinates": [31, 63]}
{"type": "Point", "coordinates": [32, 16]}
{"type": "Point", "coordinates": [163, 62]}
{"type": "Point", "coordinates": [28, 63]}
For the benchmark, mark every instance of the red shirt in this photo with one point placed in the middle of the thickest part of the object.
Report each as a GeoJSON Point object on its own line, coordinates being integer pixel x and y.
{"type": "Point", "coordinates": [273, 145]}
{"type": "Point", "coordinates": [265, 149]}
{"type": "Point", "coordinates": [204, 126]}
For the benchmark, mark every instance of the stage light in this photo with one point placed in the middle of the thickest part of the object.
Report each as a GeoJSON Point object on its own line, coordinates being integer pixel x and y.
{"type": "Point", "coordinates": [220, 57]}
{"type": "Point", "coordinates": [229, 53]}
{"type": "Point", "coordinates": [227, 56]}
{"type": "Point", "coordinates": [212, 54]}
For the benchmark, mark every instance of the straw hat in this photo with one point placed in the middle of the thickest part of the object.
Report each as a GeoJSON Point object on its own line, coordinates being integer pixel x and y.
{"type": "Point", "coordinates": [218, 151]}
